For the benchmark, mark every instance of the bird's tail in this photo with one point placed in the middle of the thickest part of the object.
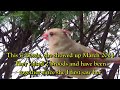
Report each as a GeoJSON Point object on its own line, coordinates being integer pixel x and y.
{"type": "Point", "coordinates": [115, 60]}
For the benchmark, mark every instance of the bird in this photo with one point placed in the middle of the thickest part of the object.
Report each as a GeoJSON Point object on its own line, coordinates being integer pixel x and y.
{"type": "Point", "coordinates": [60, 43]}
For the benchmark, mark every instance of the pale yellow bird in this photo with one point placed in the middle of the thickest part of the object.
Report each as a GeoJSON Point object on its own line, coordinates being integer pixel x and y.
{"type": "Point", "coordinates": [60, 42]}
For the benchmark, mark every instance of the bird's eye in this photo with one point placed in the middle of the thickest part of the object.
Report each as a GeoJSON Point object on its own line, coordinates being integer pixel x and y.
{"type": "Point", "coordinates": [51, 33]}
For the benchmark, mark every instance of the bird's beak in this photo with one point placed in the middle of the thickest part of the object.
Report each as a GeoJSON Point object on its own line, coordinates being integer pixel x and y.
{"type": "Point", "coordinates": [45, 36]}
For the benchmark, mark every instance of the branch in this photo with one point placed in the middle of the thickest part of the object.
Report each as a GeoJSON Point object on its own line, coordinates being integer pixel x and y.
{"type": "Point", "coordinates": [104, 37]}
{"type": "Point", "coordinates": [113, 69]}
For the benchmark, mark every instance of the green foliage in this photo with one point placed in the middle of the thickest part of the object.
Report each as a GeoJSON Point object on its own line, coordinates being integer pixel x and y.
{"type": "Point", "coordinates": [24, 19]}
{"type": "Point", "coordinates": [2, 18]}
{"type": "Point", "coordinates": [29, 20]}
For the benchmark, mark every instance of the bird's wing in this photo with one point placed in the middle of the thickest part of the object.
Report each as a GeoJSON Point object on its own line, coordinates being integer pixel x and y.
{"type": "Point", "coordinates": [80, 49]}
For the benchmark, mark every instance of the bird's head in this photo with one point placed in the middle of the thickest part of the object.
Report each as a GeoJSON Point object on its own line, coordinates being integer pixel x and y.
{"type": "Point", "coordinates": [56, 34]}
